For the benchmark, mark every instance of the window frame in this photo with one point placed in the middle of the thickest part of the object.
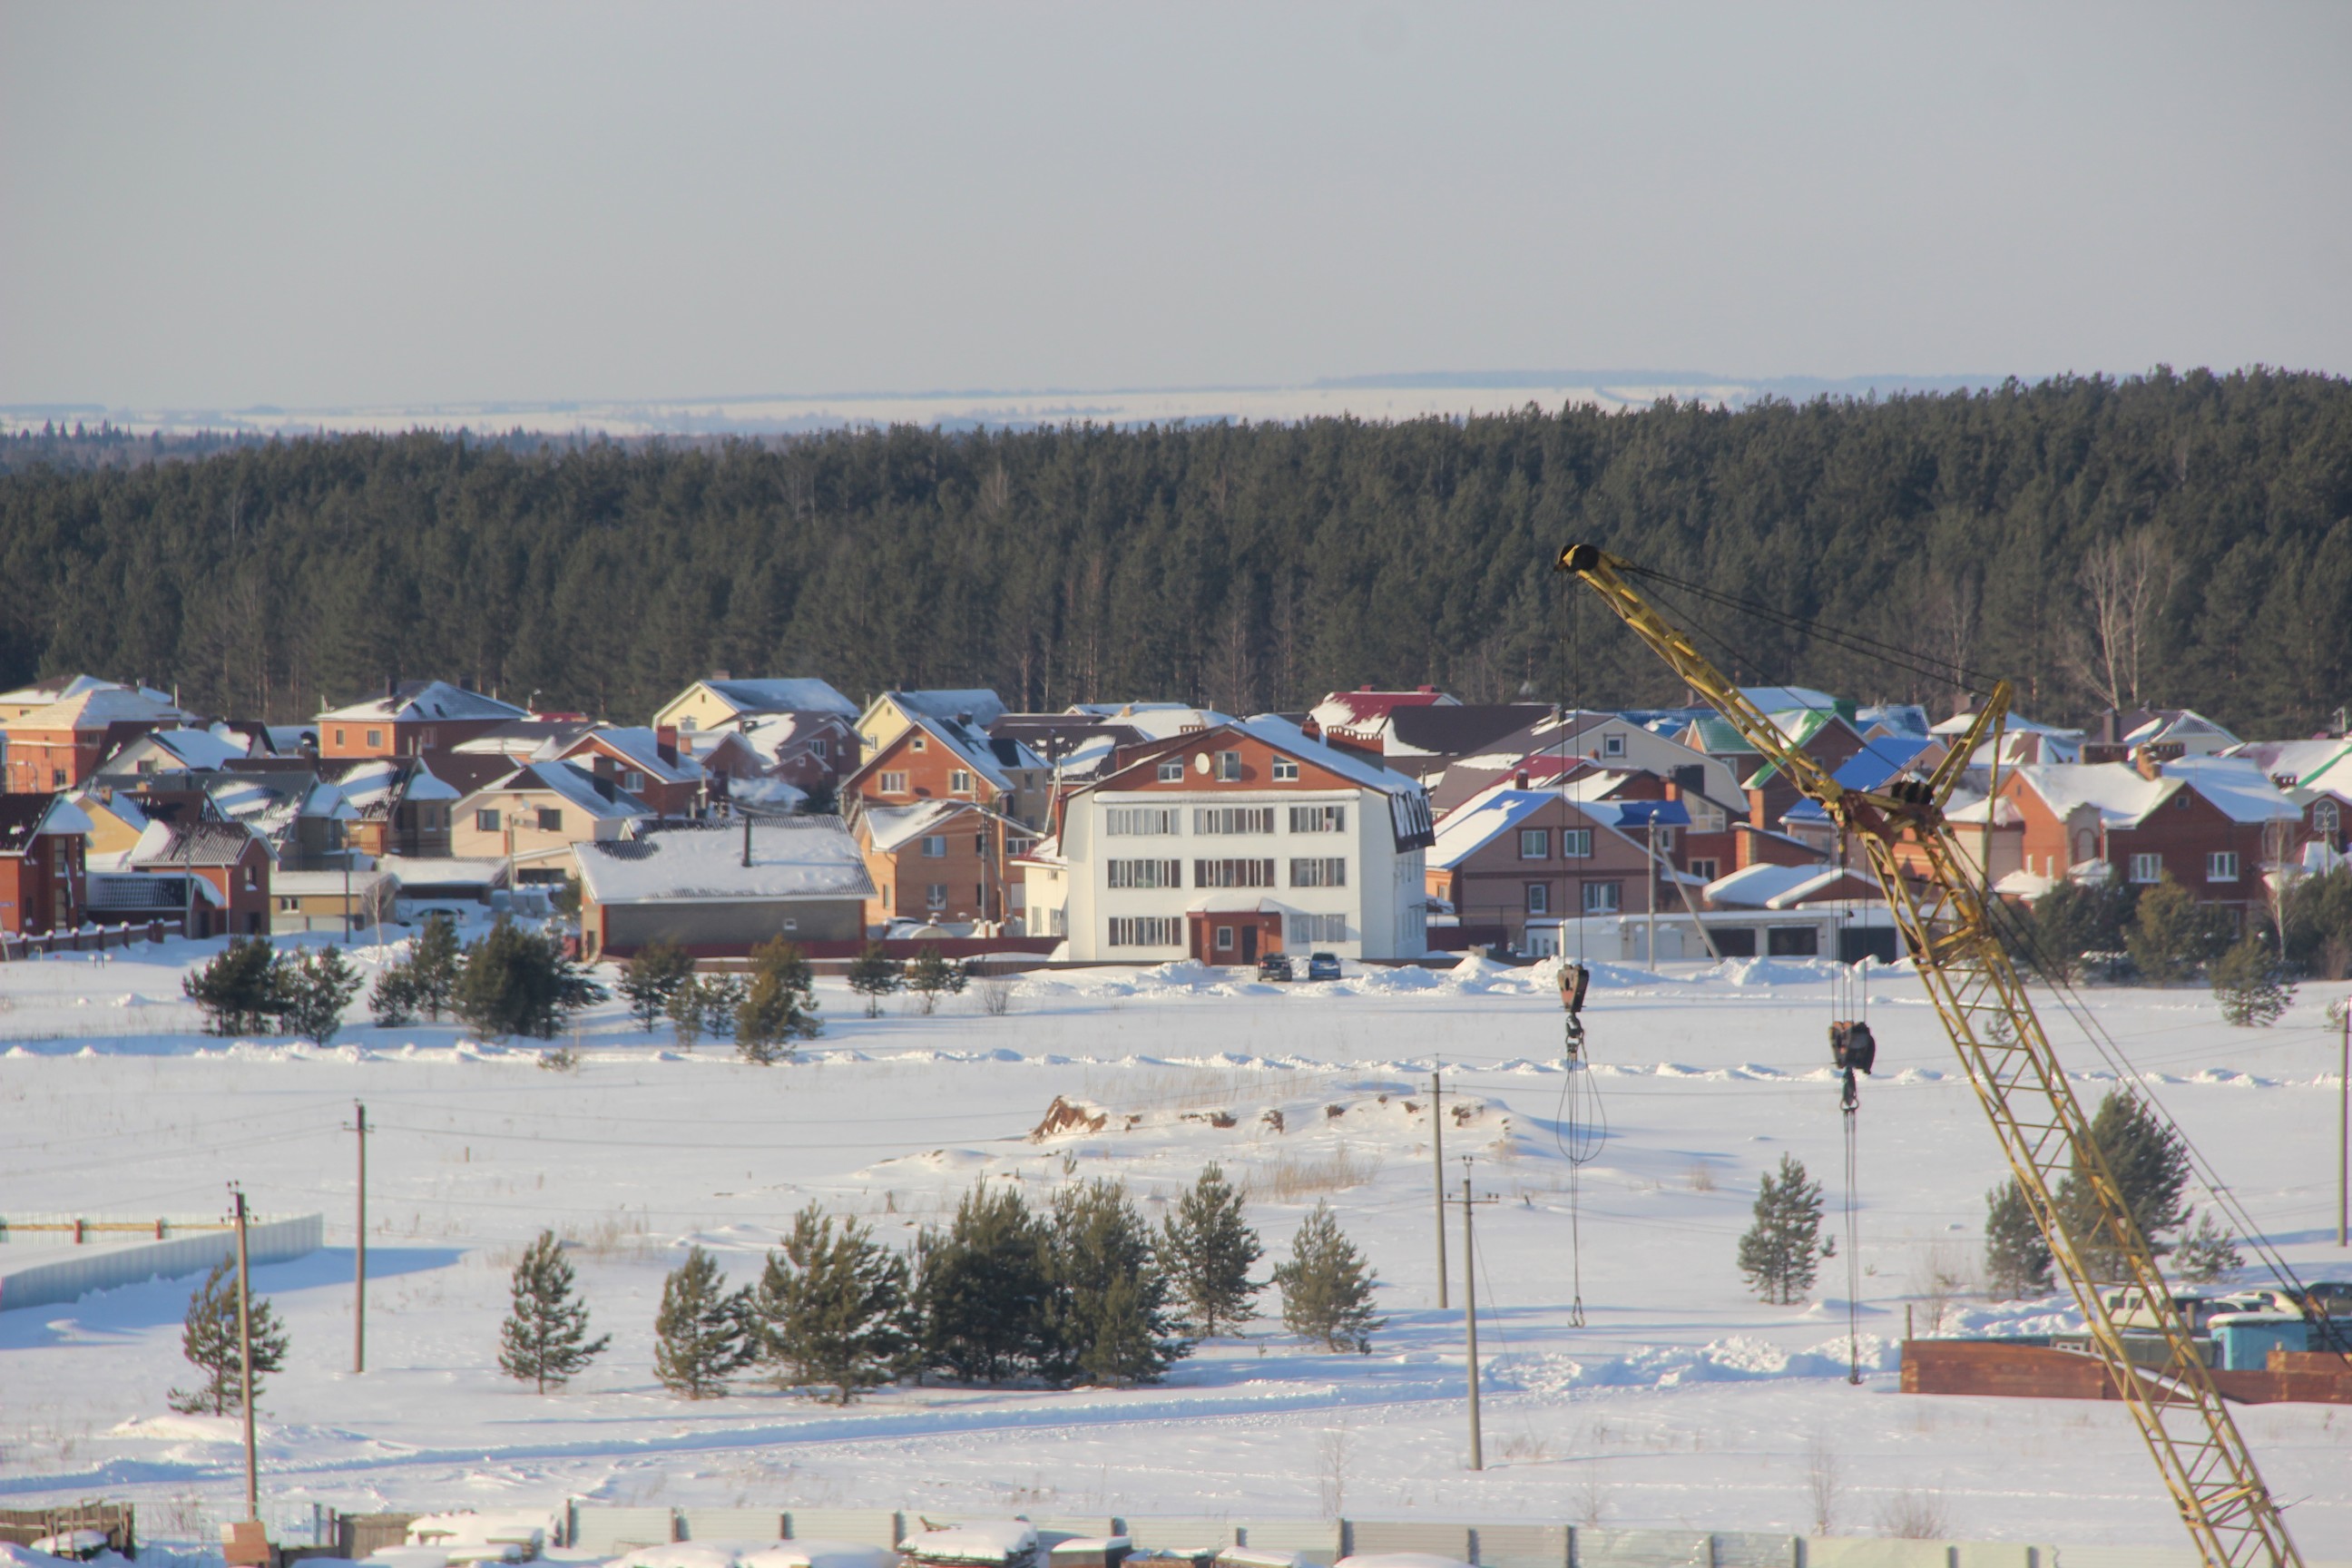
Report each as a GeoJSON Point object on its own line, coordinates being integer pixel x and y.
{"type": "Point", "coordinates": [960, 781]}
{"type": "Point", "coordinates": [1604, 898]}
{"type": "Point", "coordinates": [1227, 768]}
{"type": "Point", "coordinates": [1576, 844]}
{"type": "Point", "coordinates": [1172, 773]}
{"type": "Point", "coordinates": [2150, 860]}
{"type": "Point", "coordinates": [1537, 899]}
{"type": "Point", "coordinates": [1539, 836]}
{"type": "Point", "coordinates": [487, 819]}
{"type": "Point", "coordinates": [550, 819]}
{"type": "Point", "coordinates": [893, 782]}
{"type": "Point", "coordinates": [1286, 770]}
{"type": "Point", "coordinates": [935, 847]}
{"type": "Point", "coordinates": [2222, 865]}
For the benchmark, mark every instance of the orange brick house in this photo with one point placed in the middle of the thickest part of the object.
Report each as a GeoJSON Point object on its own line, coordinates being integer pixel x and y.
{"type": "Point", "coordinates": [43, 877]}
{"type": "Point", "coordinates": [411, 719]}
{"type": "Point", "coordinates": [60, 745]}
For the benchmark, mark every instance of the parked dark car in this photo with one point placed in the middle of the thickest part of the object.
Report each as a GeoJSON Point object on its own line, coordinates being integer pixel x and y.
{"type": "Point", "coordinates": [1275, 966]}
{"type": "Point", "coordinates": [1323, 966]}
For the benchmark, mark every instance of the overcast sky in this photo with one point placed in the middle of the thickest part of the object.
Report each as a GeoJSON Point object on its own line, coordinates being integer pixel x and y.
{"type": "Point", "coordinates": [217, 205]}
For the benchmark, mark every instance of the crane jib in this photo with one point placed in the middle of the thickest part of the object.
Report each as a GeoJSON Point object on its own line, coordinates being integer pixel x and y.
{"type": "Point", "coordinates": [1945, 926]}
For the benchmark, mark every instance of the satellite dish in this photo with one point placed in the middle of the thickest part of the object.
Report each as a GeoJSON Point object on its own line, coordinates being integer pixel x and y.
{"type": "Point", "coordinates": [1201, 763]}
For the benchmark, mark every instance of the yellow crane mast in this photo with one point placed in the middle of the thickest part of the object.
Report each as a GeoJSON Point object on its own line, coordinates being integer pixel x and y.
{"type": "Point", "coordinates": [1947, 929]}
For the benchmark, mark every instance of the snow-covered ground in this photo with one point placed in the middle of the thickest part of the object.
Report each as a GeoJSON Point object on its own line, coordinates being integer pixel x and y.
{"type": "Point", "coordinates": [1680, 1401]}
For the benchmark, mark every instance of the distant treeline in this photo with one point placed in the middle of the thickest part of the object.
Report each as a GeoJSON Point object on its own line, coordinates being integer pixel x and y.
{"type": "Point", "coordinates": [2173, 540]}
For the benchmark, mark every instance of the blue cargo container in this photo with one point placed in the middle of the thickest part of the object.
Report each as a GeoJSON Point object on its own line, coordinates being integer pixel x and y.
{"type": "Point", "coordinates": [2244, 1341]}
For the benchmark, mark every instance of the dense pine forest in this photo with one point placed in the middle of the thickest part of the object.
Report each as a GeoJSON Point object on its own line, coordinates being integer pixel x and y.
{"type": "Point", "coordinates": [2171, 540]}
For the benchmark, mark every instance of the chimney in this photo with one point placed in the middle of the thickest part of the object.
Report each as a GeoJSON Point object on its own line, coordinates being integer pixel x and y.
{"type": "Point", "coordinates": [2144, 761]}
{"type": "Point", "coordinates": [666, 735]}
{"type": "Point", "coordinates": [747, 841]}
{"type": "Point", "coordinates": [2107, 726]}
{"type": "Point", "coordinates": [391, 689]}
{"type": "Point", "coordinates": [722, 674]}
{"type": "Point", "coordinates": [1430, 689]}
{"type": "Point", "coordinates": [1520, 779]}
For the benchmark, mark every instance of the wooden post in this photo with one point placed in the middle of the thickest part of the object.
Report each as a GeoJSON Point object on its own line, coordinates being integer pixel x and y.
{"type": "Point", "coordinates": [245, 1360]}
{"type": "Point", "coordinates": [1437, 1148]}
{"type": "Point", "coordinates": [358, 1251]}
{"type": "Point", "coordinates": [1470, 1318]}
{"type": "Point", "coordinates": [2344, 1124]}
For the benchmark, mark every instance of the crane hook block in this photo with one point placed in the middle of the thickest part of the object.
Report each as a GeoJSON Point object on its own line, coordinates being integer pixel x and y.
{"type": "Point", "coordinates": [1852, 1047]}
{"type": "Point", "coordinates": [1574, 981]}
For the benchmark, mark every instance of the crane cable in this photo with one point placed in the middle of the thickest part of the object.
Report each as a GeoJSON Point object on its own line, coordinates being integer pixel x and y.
{"type": "Point", "coordinates": [1580, 1124]}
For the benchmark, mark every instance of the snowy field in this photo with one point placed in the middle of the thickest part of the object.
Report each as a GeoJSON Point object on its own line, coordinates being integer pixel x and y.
{"type": "Point", "coordinates": [1681, 1400]}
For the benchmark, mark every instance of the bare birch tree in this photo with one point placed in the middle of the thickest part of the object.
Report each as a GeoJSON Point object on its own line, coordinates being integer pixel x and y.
{"type": "Point", "coordinates": [2125, 584]}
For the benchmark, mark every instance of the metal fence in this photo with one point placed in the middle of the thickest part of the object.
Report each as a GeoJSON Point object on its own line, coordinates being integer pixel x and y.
{"type": "Point", "coordinates": [53, 1279]}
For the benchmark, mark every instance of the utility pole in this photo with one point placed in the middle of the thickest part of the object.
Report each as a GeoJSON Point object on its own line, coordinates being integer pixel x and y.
{"type": "Point", "coordinates": [2344, 1122]}
{"type": "Point", "coordinates": [358, 1251]}
{"type": "Point", "coordinates": [1470, 1314]}
{"type": "Point", "coordinates": [1437, 1148]}
{"type": "Point", "coordinates": [245, 1357]}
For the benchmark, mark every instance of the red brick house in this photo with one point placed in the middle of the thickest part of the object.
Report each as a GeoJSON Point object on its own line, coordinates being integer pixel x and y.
{"type": "Point", "coordinates": [646, 764]}
{"type": "Point", "coordinates": [940, 860]}
{"type": "Point", "coordinates": [411, 719]}
{"type": "Point", "coordinates": [43, 877]}
{"type": "Point", "coordinates": [2206, 822]}
{"type": "Point", "coordinates": [940, 759]}
{"type": "Point", "coordinates": [60, 745]}
{"type": "Point", "coordinates": [230, 857]}
{"type": "Point", "coordinates": [1511, 854]}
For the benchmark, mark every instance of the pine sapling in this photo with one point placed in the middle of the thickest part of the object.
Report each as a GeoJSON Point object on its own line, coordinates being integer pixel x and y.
{"type": "Point", "coordinates": [208, 1337]}
{"type": "Point", "coordinates": [544, 1339]}
{"type": "Point", "coordinates": [2017, 1255]}
{"type": "Point", "coordinates": [1780, 1255]}
{"type": "Point", "coordinates": [702, 1334]}
{"type": "Point", "coordinates": [873, 974]}
{"type": "Point", "coordinates": [831, 1308]}
{"type": "Point", "coordinates": [1327, 1292]}
{"type": "Point", "coordinates": [1208, 1249]}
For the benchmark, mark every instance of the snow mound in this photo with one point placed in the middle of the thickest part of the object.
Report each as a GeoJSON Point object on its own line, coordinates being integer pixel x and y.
{"type": "Point", "coordinates": [1737, 1359]}
{"type": "Point", "coordinates": [1769, 972]}
{"type": "Point", "coordinates": [986, 1543]}
{"type": "Point", "coordinates": [180, 1428]}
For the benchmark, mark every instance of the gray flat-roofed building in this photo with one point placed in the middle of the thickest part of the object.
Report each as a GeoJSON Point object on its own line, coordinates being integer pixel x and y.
{"type": "Point", "coordinates": [723, 889]}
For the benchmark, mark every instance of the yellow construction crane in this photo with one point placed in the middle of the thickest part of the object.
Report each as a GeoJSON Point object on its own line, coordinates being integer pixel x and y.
{"type": "Point", "coordinates": [1947, 928]}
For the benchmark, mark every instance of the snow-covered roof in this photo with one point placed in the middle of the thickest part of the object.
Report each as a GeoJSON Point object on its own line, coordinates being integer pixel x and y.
{"type": "Point", "coordinates": [196, 750]}
{"type": "Point", "coordinates": [600, 799]}
{"type": "Point", "coordinates": [325, 884]}
{"type": "Point", "coordinates": [980, 704]}
{"type": "Point", "coordinates": [889, 827]}
{"type": "Point", "coordinates": [1878, 764]}
{"type": "Point", "coordinates": [1162, 722]}
{"type": "Point", "coordinates": [2178, 724]}
{"type": "Point", "coordinates": [781, 694]}
{"type": "Point", "coordinates": [1480, 820]}
{"type": "Point", "coordinates": [149, 890]}
{"type": "Point", "coordinates": [1638, 816]}
{"type": "Point", "coordinates": [192, 844]}
{"type": "Point", "coordinates": [2240, 788]}
{"type": "Point", "coordinates": [95, 708]}
{"type": "Point", "coordinates": [1830, 882]}
{"type": "Point", "coordinates": [2013, 724]}
{"type": "Point", "coordinates": [421, 871]}
{"type": "Point", "coordinates": [791, 857]}
{"type": "Point", "coordinates": [1778, 699]}
{"type": "Point", "coordinates": [24, 818]}
{"type": "Point", "coordinates": [1289, 738]}
{"type": "Point", "coordinates": [1757, 886]}
{"type": "Point", "coordinates": [425, 784]}
{"type": "Point", "coordinates": [1364, 706]}
{"type": "Point", "coordinates": [2322, 763]}
{"type": "Point", "coordinates": [769, 793]}
{"type": "Point", "coordinates": [642, 749]}
{"type": "Point", "coordinates": [425, 700]}
{"type": "Point", "coordinates": [2117, 791]}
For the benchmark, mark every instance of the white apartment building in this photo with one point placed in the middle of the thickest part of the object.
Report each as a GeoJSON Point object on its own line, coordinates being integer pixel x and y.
{"type": "Point", "coordinates": [1243, 839]}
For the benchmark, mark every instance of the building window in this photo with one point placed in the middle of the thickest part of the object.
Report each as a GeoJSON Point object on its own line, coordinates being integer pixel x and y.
{"type": "Point", "coordinates": [1576, 842]}
{"type": "Point", "coordinates": [886, 895]}
{"type": "Point", "coordinates": [1604, 898]}
{"type": "Point", "coordinates": [935, 846]}
{"type": "Point", "coordinates": [1172, 773]}
{"type": "Point", "coordinates": [375, 737]}
{"type": "Point", "coordinates": [1322, 872]}
{"type": "Point", "coordinates": [485, 820]}
{"type": "Point", "coordinates": [1284, 770]}
{"type": "Point", "coordinates": [2147, 867]}
{"type": "Point", "coordinates": [1791, 941]}
{"type": "Point", "coordinates": [1306, 929]}
{"type": "Point", "coordinates": [934, 897]}
{"type": "Point", "coordinates": [1229, 767]}
{"type": "Point", "coordinates": [1612, 745]}
{"type": "Point", "coordinates": [959, 783]}
{"type": "Point", "coordinates": [252, 879]}
{"type": "Point", "coordinates": [1703, 869]}
{"type": "Point", "coordinates": [1146, 873]}
{"type": "Point", "coordinates": [290, 905]}
{"type": "Point", "coordinates": [1319, 819]}
{"type": "Point", "coordinates": [1227, 819]}
{"type": "Point", "coordinates": [551, 819]}
{"type": "Point", "coordinates": [1143, 930]}
{"type": "Point", "coordinates": [1225, 938]}
{"type": "Point", "coordinates": [1141, 821]}
{"type": "Point", "coordinates": [632, 781]}
{"type": "Point", "coordinates": [2324, 819]}
{"type": "Point", "coordinates": [685, 724]}
{"type": "Point", "coordinates": [56, 778]}
{"type": "Point", "coordinates": [2222, 865]}
{"type": "Point", "coordinates": [921, 744]}
{"type": "Point", "coordinates": [894, 784]}
{"type": "Point", "coordinates": [1535, 843]}
{"type": "Point", "coordinates": [339, 737]}
{"type": "Point", "coordinates": [1233, 873]}
{"type": "Point", "coordinates": [980, 842]}
{"type": "Point", "coordinates": [1538, 899]}
{"type": "Point", "coordinates": [823, 748]}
